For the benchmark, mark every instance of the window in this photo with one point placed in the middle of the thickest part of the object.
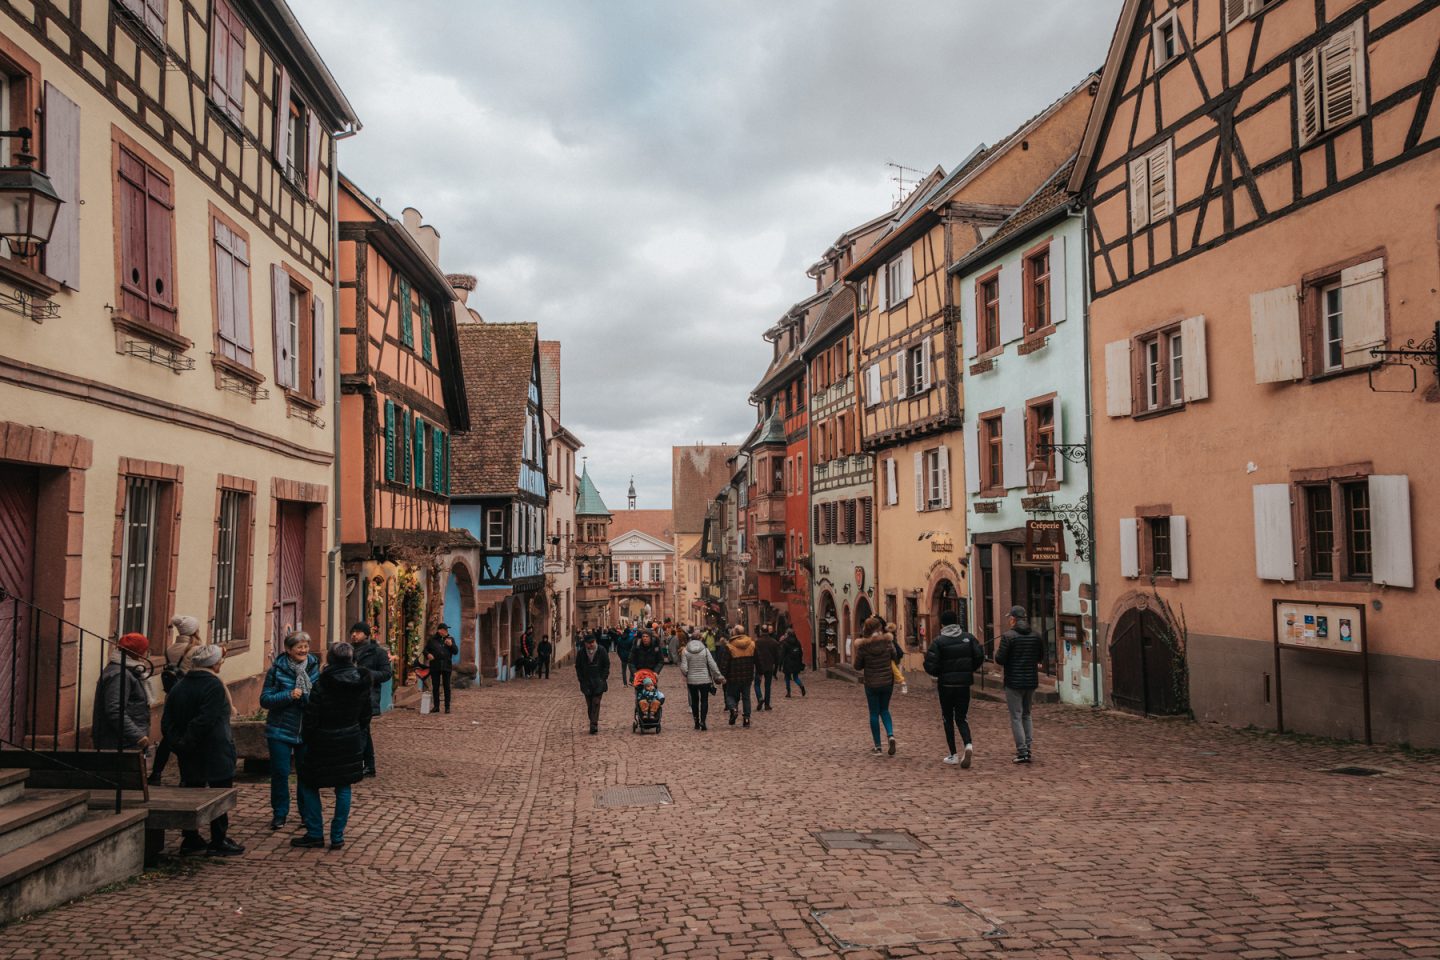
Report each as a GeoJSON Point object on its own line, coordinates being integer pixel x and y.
{"type": "Point", "coordinates": [1165, 39]}
{"type": "Point", "coordinates": [1237, 10]}
{"type": "Point", "coordinates": [1162, 373]}
{"type": "Point", "coordinates": [138, 557]}
{"type": "Point", "coordinates": [1152, 188]}
{"type": "Point", "coordinates": [1037, 292]}
{"type": "Point", "coordinates": [145, 221]}
{"type": "Point", "coordinates": [1041, 438]}
{"type": "Point", "coordinates": [657, 572]}
{"type": "Point", "coordinates": [992, 454]}
{"type": "Point", "coordinates": [299, 328]}
{"type": "Point", "coordinates": [295, 311]}
{"type": "Point", "coordinates": [1330, 83]}
{"type": "Point", "coordinates": [1332, 329]}
{"type": "Point", "coordinates": [1157, 529]}
{"type": "Point", "coordinates": [915, 372]}
{"type": "Point", "coordinates": [232, 563]}
{"type": "Point", "coordinates": [1320, 520]}
{"type": "Point", "coordinates": [232, 293]}
{"type": "Point", "coordinates": [862, 293]}
{"type": "Point", "coordinates": [614, 572]}
{"type": "Point", "coordinates": [294, 115]}
{"type": "Point", "coordinates": [1338, 538]}
{"type": "Point", "coordinates": [867, 520]}
{"type": "Point", "coordinates": [933, 479]}
{"type": "Point", "coordinates": [872, 385]}
{"type": "Point", "coordinates": [1155, 544]}
{"type": "Point", "coordinates": [847, 521]}
{"type": "Point", "coordinates": [899, 280]}
{"type": "Point", "coordinates": [148, 14]}
{"type": "Point", "coordinates": [227, 60]}
{"type": "Point", "coordinates": [988, 311]}
{"type": "Point", "coordinates": [892, 486]}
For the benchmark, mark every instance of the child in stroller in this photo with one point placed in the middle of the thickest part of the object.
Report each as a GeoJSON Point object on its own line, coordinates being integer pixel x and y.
{"type": "Point", "coordinates": [649, 702]}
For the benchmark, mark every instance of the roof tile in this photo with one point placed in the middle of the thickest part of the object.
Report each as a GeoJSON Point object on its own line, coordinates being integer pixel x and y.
{"type": "Point", "coordinates": [497, 359]}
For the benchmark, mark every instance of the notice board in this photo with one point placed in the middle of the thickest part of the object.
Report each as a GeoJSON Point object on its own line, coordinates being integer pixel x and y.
{"type": "Point", "coordinates": [1335, 627]}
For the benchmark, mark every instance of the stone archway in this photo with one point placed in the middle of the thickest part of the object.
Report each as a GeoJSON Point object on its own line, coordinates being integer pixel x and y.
{"type": "Point", "coordinates": [944, 598]}
{"type": "Point", "coordinates": [863, 612]}
{"type": "Point", "coordinates": [1147, 665]}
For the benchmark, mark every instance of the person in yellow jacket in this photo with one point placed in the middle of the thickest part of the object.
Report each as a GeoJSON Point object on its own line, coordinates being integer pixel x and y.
{"type": "Point", "coordinates": [739, 674]}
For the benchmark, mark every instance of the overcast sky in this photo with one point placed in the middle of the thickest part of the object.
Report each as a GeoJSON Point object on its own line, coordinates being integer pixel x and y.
{"type": "Point", "coordinates": [649, 180]}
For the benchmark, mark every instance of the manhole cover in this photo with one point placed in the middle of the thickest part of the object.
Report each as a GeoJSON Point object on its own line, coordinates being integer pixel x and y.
{"type": "Point", "coordinates": [1356, 771]}
{"type": "Point", "coordinates": [912, 924]}
{"type": "Point", "coordinates": [875, 840]}
{"type": "Point", "coordinates": [646, 795]}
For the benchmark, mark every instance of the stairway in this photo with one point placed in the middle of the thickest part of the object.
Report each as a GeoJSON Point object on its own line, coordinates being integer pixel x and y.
{"type": "Point", "coordinates": [54, 848]}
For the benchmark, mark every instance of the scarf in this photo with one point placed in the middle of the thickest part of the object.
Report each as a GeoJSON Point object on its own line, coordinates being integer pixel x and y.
{"type": "Point", "coordinates": [302, 676]}
{"type": "Point", "coordinates": [150, 697]}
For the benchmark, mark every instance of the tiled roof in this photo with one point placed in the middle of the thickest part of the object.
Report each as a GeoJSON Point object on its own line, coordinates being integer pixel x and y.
{"type": "Point", "coordinates": [498, 359]}
{"type": "Point", "coordinates": [696, 474]}
{"type": "Point", "coordinates": [588, 503]}
{"type": "Point", "coordinates": [550, 376]}
{"type": "Point", "coordinates": [659, 524]}
{"type": "Point", "coordinates": [1052, 194]}
{"type": "Point", "coordinates": [839, 310]}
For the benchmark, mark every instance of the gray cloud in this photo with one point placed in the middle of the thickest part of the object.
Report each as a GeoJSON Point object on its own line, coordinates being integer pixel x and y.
{"type": "Point", "coordinates": [648, 180]}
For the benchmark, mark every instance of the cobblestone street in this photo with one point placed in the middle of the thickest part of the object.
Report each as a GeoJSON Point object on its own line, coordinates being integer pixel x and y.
{"type": "Point", "coordinates": [1126, 839]}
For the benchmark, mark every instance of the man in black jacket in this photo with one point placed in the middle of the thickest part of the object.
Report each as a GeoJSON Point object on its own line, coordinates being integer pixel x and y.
{"type": "Point", "coordinates": [440, 652]}
{"type": "Point", "coordinates": [196, 721]}
{"type": "Point", "coordinates": [952, 660]}
{"type": "Point", "coordinates": [1020, 652]}
{"type": "Point", "coordinates": [647, 655]}
{"type": "Point", "coordinates": [544, 653]}
{"type": "Point", "coordinates": [375, 660]}
{"type": "Point", "coordinates": [592, 668]}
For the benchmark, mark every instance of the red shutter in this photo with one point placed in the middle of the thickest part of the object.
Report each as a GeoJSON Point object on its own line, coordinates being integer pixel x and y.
{"type": "Point", "coordinates": [224, 291]}
{"type": "Point", "coordinates": [282, 120]}
{"type": "Point", "coordinates": [159, 250]}
{"type": "Point", "coordinates": [312, 158]}
{"type": "Point", "coordinates": [134, 274]}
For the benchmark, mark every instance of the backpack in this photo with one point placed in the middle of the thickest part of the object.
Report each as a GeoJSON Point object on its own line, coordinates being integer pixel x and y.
{"type": "Point", "coordinates": [170, 674]}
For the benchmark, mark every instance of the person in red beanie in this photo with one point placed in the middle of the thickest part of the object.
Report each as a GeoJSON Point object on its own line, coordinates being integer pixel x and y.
{"type": "Point", "coordinates": [121, 716]}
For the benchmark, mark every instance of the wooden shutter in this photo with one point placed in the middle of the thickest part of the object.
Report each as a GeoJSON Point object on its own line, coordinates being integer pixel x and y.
{"type": "Point", "coordinates": [1139, 194]}
{"type": "Point", "coordinates": [312, 154]}
{"type": "Point", "coordinates": [154, 16]}
{"type": "Point", "coordinates": [1362, 299]}
{"type": "Point", "coordinates": [1275, 331]}
{"type": "Point", "coordinates": [1307, 96]}
{"type": "Point", "coordinates": [872, 384]}
{"type": "Point", "coordinates": [1059, 302]}
{"type": "Point", "coordinates": [943, 456]}
{"type": "Point", "coordinates": [1118, 379]}
{"type": "Point", "coordinates": [1012, 312]}
{"type": "Point", "coordinates": [407, 331]}
{"type": "Point", "coordinates": [1059, 436]}
{"type": "Point", "coordinates": [969, 316]}
{"type": "Point", "coordinates": [280, 314]}
{"type": "Point", "coordinates": [282, 124]}
{"type": "Point", "coordinates": [160, 249]}
{"type": "Point", "coordinates": [1012, 428]}
{"type": "Point", "coordinates": [1129, 547]}
{"type": "Point", "coordinates": [418, 441]}
{"type": "Point", "coordinates": [819, 535]}
{"type": "Point", "coordinates": [1392, 558]}
{"type": "Point", "coordinates": [919, 482]}
{"type": "Point", "coordinates": [224, 289]}
{"type": "Point", "coordinates": [882, 286]}
{"type": "Point", "coordinates": [1194, 368]}
{"type": "Point", "coordinates": [235, 83]}
{"type": "Point", "coordinates": [902, 374]}
{"type": "Point", "coordinates": [1274, 536]}
{"type": "Point", "coordinates": [832, 522]}
{"type": "Point", "coordinates": [437, 459]}
{"type": "Point", "coordinates": [425, 325]}
{"type": "Point", "coordinates": [62, 165]}
{"type": "Point", "coordinates": [1162, 181]}
{"type": "Point", "coordinates": [927, 372]}
{"type": "Point", "coordinates": [907, 273]}
{"type": "Point", "coordinates": [972, 457]}
{"type": "Point", "coordinates": [892, 482]}
{"type": "Point", "coordinates": [1179, 548]}
{"type": "Point", "coordinates": [317, 319]}
{"type": "Point", "coordinates": [1342, 77]}
{"type": "Point", "coordinates": [389, 440]}
{"type": "Point", "coordinates": [240, 284]}
{"type": "Point", "coordinates": [219, 55]}
{"type": "Point", "coordinates": [407, 445]}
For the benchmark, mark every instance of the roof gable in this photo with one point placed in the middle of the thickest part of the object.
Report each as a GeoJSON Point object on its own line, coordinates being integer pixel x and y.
{"type": "Point", "coordinates": [1110, 77]}
{"type": "Point", "coordinates": [500, 366]}
{"type": "Point", "coordinates": [636, 542]}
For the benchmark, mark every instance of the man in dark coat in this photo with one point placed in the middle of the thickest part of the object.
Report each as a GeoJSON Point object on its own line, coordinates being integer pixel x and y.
{"type": "Point", "coordinates": [333, 735]}
{"type": "Point", "coordinates": [1021, 650]}
{"type": "Point", "coordinates": [767, 661]}
{"type": "Point", "coordinates": [952, 660]}
{"type": "Point", "coordinates": [647, 655]}
{"type": "Point", "coordinates": [592, 667]}
{"type": "Point", "coordinates": [196, 721]}
{"type": "Point", "coordinates": [440, 652]}
{"type": "Point", "coordinates": [624, 646]}
{"type": "Point", "coordinates": [792, 661]}
{"type": "Point", "coordinates": [374, 660]}
{"type": "Point", "coordinates": [739, 674]}
{"type": "Point", "coordinates": [544, 653]}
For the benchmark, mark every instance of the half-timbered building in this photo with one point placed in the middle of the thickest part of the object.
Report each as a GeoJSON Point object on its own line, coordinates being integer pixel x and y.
{"type": "Point", "coordinates": [1262, 175]}
{"type": "Point", "coordinates": [168, 344]}
{"type": "Point", "coordinates": [592, 556]}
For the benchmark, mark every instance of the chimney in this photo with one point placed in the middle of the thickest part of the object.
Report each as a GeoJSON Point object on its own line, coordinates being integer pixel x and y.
{"type": "Point", "coordinates": [463, 284]}
{"type": "Point", "coordinates": [425, 235]}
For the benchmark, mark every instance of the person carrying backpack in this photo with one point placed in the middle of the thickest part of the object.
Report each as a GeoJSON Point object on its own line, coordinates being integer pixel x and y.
{"type": "Point", "coordinates": [953, 659]}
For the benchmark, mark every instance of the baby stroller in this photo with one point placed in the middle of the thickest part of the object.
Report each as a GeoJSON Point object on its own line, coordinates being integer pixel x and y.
{"type": "Point", "coordinates": [646, 722]}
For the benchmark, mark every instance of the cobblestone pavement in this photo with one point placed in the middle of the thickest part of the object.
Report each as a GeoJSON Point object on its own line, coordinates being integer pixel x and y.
{"type": "Point", "coordinates": [1129, 839]}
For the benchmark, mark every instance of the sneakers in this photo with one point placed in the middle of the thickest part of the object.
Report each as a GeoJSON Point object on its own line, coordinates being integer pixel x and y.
{"type": "Point", "coordinates": [876, 749]}
{"type": "Point", "coordinates": [1022, 757]}
{"type": "Point", "coordinates": [225, 848]}
{"type": "Point", "coordinates": [309, 843]}
{"type": "Point", "coordinates": [746, 723]}
{"type": "Point", "coordinates": [277, 824]}
{"type": "Point", "coordinates": [965, 760]}
{"type": "Point", "coordinates": [951, 759]}
{"type": "Point", "coordinates": [891, 751]}
{"type": "Point", "coordinates": [732, 718]}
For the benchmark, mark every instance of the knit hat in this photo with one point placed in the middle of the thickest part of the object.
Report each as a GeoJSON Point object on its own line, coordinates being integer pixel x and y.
{"type": "Point", "coordinates": [185, 626]}
{"type": "Point", "coordinates": [207, 656]}
{"type": "Point", "coordinates": [135, 644]}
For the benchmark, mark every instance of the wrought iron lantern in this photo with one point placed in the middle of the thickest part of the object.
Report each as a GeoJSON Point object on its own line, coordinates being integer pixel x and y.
{"type": "Point", "coordinates": [28, 201]}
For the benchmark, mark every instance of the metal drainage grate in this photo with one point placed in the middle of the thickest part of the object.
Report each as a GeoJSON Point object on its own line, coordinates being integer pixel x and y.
{"type": "Point", "coordinates": [879, 928]}
{"type": "Point", "coordinates": [645, 795]}
{"type": "Point", "coordinates": [1357, 771]}
{"type": "Point", "coordinates": [875, 840]}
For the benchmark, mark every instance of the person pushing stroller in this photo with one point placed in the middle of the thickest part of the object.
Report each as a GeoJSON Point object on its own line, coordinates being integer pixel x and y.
{"type": "Point", "coordinates": [649, 702]}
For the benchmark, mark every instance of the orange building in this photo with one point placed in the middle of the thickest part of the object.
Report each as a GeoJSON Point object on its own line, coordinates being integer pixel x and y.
{"type": "Point", "coordinates": [1263, 175]}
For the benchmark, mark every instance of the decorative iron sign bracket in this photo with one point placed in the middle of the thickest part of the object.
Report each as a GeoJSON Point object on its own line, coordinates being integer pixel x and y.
{"type": "Point", "coordinates": [1414, 355]}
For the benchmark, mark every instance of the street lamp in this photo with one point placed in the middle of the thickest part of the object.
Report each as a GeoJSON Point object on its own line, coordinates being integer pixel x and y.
{"type": "Point", "coordinates": [28, 201]}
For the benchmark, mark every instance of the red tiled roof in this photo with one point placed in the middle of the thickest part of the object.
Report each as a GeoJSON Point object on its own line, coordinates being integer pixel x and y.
{"type": "Point", "coordinates": [696, 474]}
{"type": "Point", "coordinates": [550, 376]}
{"type": "Point", "coordinates": [655, 523]}
{"type": "Point", "coordinates": [497, 359]}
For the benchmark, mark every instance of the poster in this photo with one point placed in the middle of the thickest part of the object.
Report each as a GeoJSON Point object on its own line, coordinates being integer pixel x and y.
{"type": "Point", "coordinates": [1336, 627]}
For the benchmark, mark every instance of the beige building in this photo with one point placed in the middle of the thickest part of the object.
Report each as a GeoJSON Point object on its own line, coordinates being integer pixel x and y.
{"type": "Point", "coordinates": [563, 486]}
{"type": "Point", "coordinates": [697, 473]}
{"type": "Point", "coordinates": [166, 440]}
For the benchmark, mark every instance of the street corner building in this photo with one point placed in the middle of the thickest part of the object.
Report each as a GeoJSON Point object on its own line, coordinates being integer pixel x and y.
{"type": "Point", "coordinates": [166, 379]}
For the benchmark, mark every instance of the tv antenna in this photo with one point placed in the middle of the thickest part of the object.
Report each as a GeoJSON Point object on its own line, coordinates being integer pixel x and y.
{"type": "Point", "coordinates": [903, 179]}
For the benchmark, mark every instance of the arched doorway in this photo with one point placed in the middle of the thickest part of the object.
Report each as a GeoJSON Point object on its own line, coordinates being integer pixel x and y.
{"type": "Point", "coordinates": [462, 618]}
{"type": "Point", "coordinates": [1147, 667]}
{"type": "Point", "coordinates": [945, 598]}
{"type": "Point", "coordinates": [830, 638]}
{"type": "Point", "coordinates": [862, 613]}
{"type": "Point", "coordinates": [845, 629]}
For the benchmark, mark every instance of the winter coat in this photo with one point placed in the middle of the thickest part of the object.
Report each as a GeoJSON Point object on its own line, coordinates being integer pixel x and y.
{"type": "Point", "coordinates": [120, 685]}
{"type": "Point", "coordinates": [722, 655]}
{"type": "Point", "coordinates": [594, 674]}
{"type": "Point", "coordinates": [283, 712]}
{"type": "Point", "coordinates": [792, 655]}
{"type": "Point", "coordinates": [698, 665]}
{"type": "Point", "coordinates": [954, 657]}
{"type": "Point", "coordinates": [334, 727]}
{"type": "Point", "coordinates": [375, 660]}
{"type": "Point", "coordinates": [443, 649]}
{"type": "Point", "coordinates": [741, 668]}
{"type": "Point", "coordinates": [544, 650]}
{"type": "Point", "coordinates": [647, 656]}
{"type": "Point", "coordinates": [1020, 654]}
{"type": "Point", "coordinates": [196, 721]}
{"type": "Point", "coordinates": [624, 643]}
{"type": "Point", "coordinates": [767, 654]}
{"type": "Point", "coordinates": [873, 657]}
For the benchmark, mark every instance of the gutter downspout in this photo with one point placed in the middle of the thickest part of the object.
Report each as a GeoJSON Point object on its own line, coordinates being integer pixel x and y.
{"type": "Point", "coordinates": [1083, 216]}
{"type": "Point", "coordinates": [332, 559]}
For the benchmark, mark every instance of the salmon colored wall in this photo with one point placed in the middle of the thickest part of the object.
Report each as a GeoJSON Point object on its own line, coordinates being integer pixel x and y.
{"type": "Point", "coordinates": [352, 469]}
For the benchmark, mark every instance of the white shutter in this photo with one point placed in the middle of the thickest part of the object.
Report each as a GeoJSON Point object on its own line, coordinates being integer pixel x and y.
{"type": "Point", "coordinates": [872, 384]}
{"type": "Point", "coordinates": [1058, 300]}
{"type": "Point", "coordinates": [1362, 300]}
{"type": "Point", "coordinates": [1118, 376]}
{"type": "Point", "coordinates": [1129, 547]}
{"type": "Point", "coordinates": [1274, 537]}
{"type": "Point", "coordinates": [919, 482]}
{"type": "Point", "coordinates": [282, 124]}
{"type": "Point", "coordinates": [1195, 369]}
{"type": "Point", "coordinates": [280, 310]}
{"type": "Point", "coordinates": [927, 369]}
{"type": "Point", "coordinates": [224, 290]}
{"type": "Point", "coordinates": [882, 286]}
{"type": "Point", "coordinates": [1162, 181]}
{"type": "Point", "coordinates": [972, 457]}
{"type": "Point", "coordinates": [902, 375]}
{"type": "Point", "coordinates": [1392, 558]}
{"type": "Point", "coordinates": [1139, 194]}
{"type": "Point", "coordinates": [62, 165]}
{"type": "Point", "coordinates": [892, 482]}
{"type": "Point", "coordinates": [1012, 427]}
{"type": "Point", "coordinates": [1059, 439]}
{"type": "Point", "coordinates": [1275, 330]}
{"type": "Point", "coordinates": [968, 310]}
{"type": "Point", "coordinates": [1179, 549]}
{"type": "Point", "coordinates": [907, 273]}
{"type": "Point", "coordinates": [1012, 320]}
{"type": "Point", "coordinates": [1342, 77]}
{"type": "Point", "coordinates": [1307, 96]}
{"type": "Point", "coordinates": [943, 456]}
{"type": "Point", "coordinates": [317, 381]}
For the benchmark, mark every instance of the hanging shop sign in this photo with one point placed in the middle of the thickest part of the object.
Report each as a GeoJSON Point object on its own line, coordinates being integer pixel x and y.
{"type": "Point", "coordinates": [1044, 541]}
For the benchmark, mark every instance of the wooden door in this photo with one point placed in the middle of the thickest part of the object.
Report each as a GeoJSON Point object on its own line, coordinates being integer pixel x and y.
{"type": "Point", "coordinates": [1145, 668]}
{"type": "Point", "coordinates": [289, 571]}
{"type": "Point", "coordinates": [18, 486]}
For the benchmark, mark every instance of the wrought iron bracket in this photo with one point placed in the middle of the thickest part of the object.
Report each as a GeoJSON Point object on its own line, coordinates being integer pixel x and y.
{"type": "Point", "coordinates": [1076, 517]}
{"type": "Point", "coordinates": [1072, 452]}
{"type": "Point", "coordinates": [1426, 353]}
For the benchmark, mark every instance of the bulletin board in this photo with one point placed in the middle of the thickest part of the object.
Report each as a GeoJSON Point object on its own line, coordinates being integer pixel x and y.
{"type": "Point", "coordinates": [1336, 627]}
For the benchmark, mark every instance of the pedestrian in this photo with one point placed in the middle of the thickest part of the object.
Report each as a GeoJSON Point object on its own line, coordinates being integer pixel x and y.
{"type": "Point", "coordinates": [286, 691]}
{"type": "Point", "coordinates": [792, 661]}
{"type": "Point", "coordinates": [722, 652]}
{"type": "Point", "coordinates": [196, 721]}
{"type": "Point", "coordinates": [526, 661]}
{"type": "Point", "coordinates": [592, 668]}
{"type": "Point", "coordinates": [374, 659]}
{"type": "Point", "coordinates": [647, 655]}
{"type": "Point", "coordinates": [624, 644]}
{"type": "Point", "coordinates": [767, 661]}
{"type": "Point", "coordinates": [876, 663]}
{"type": "Point", "coordinates": [334, 755]}
{"type": "Point", "coordinates": [121, 713]}
{"type": "Point", "coordinates": [953, 659]}
{"type": "Point", "coordinates": [544, 653]}
{"type": "Point", "coordinates": [177, 663]}
{"type": "Point", "coordinates": [701, 673]}
{"type": "Point", "coordinates": [440, 652]}
{"type": "Point", "coordinates": [739, 674]}
{"type": "Point", "coordinates": [1020, 652]}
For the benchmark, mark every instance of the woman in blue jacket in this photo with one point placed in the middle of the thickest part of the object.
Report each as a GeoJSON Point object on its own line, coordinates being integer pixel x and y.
{"type": "Point", "coordinates": [284, 696]}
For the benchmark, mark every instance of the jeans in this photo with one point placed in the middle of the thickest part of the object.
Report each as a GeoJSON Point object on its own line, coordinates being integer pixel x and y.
{"type": "Point", "coordinates": [283, 757]}
{"type": "Point", "coordinates": [313, 814]}
{"type": "Point", "coordinates": [1019, 703]}
{"type": "Point", "coordinates": [369, 747]}
{"type": "Point", "coordinates": [798, 682]}
{"type": "Point", "coordinates": [220, 826]}
{"type": "Point", "coordinates": [736, 695]}
{"type": "Point", "coordinates": [765, 679]}
{"type": "Point", "coordinates": [593, 705]}
{"type": "Point", "coordinates": [542, 669]}
{"type": "Point", "coordinates": [954, 705]}
{"type": "Point", "coordinates": [627, 673]}
{"type": "Point", "coordinates": [699, 701]}
{"type": "Point", "coordinates": [439, 680]}
{"type": "Point", "coordinates": [878, 698]}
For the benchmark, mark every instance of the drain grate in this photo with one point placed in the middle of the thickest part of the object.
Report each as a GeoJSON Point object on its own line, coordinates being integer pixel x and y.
{"type": "Point", "coordinates": [913, 924]}
{"type": "Point", "coordinates": [872, 840]}
{"type": "Point", "coordinates": [1357, 771]}
{"type": "Point", "coordinates": [643, 795]}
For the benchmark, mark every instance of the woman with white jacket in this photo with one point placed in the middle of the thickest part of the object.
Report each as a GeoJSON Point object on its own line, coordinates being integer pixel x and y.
{"type": "Point", "coordinates": [701, 672]}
